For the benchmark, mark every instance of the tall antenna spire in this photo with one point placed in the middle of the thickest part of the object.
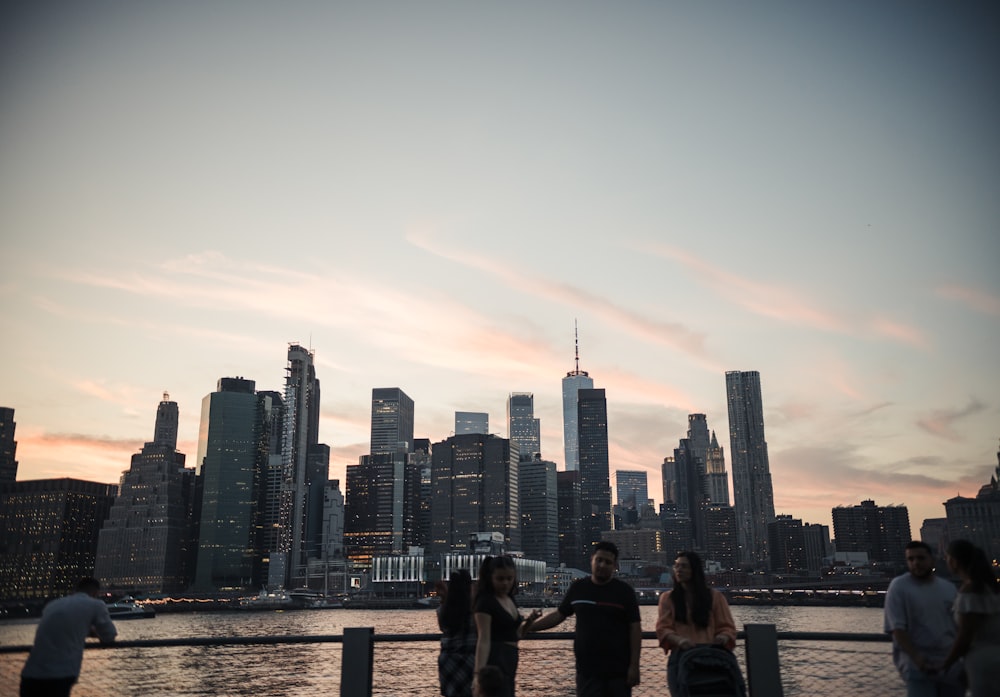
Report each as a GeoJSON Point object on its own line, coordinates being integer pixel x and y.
{"type": "Point", "coordinates": [576, 345]}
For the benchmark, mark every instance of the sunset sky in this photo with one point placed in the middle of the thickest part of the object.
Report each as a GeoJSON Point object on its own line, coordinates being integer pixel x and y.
{"type": "Point", "coordinates": [429, 194]}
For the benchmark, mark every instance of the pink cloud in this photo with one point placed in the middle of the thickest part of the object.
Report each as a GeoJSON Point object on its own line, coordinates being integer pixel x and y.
{"type": "Point", "coordinates": [978, 300]}
{"type": "Point", "coordinates": [899, 332]}
{"type": "Point", "coordinates": [942, 422]}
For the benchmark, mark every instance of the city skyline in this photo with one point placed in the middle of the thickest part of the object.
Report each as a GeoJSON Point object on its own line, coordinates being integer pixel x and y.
{"type": "Point", "coordinates": [806, 193]}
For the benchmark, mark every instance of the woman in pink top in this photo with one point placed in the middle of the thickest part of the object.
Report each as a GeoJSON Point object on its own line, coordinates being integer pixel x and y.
{"type": "Point", "coordinates": [691, 614]}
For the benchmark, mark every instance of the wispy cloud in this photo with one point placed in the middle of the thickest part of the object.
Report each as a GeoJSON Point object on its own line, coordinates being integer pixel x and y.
{"type": "Point", "coordinates": [785, 304]}
{"type": "Point", "coordinates": [671, 334]}
{"type": "Point", "coordinates": [978, 300]}
{"type": "Point", "coordinates": [941, 422]}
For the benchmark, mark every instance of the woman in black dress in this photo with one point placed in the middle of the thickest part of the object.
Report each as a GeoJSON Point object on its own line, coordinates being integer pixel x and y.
{"type": "Point", "coordinates": [498, 622]}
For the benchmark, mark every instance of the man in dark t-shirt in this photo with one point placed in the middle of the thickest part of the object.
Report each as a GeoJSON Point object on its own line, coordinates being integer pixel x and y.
{"type": "Point", "coordinates": [608, 631]}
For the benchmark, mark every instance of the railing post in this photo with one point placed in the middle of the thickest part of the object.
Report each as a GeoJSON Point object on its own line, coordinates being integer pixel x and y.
{"type": "Point", "coordinates": [357, 661]}
{"type": "Point", "coordinates": [763, 670]}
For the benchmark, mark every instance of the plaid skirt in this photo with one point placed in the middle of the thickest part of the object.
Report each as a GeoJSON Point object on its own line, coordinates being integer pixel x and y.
{"type": "Point", "coordinates": [456, 664]}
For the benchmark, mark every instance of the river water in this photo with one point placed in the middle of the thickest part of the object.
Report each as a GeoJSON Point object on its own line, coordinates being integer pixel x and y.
{"type": "Point", "coordinates": [817, 669]}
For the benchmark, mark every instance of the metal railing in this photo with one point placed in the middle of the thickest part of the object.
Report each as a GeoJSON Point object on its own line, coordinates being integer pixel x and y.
{"type": "Point", "coordinates": [775, 664]}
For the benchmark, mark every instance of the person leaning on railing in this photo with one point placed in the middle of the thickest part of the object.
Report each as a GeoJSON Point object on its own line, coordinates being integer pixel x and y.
{"type": "Point", "coordinates": [691, 614]}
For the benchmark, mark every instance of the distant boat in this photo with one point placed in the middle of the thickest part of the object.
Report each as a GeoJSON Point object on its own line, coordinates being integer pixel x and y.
{"type": "Point", "coordinates": [128, 609]}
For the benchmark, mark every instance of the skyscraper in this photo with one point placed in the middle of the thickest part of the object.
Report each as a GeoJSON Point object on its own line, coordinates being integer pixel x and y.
{"type": "Point", "coordinates": [574, 381]}
{"type": "Point", "coordinates": [382, 499]}
{"type": "Point", "coordinates": [631, 488]}
{"type": "Point", "coordinates": [880, 531]}
{"type": "Point", "coordinates": [718, 478]}
{"type": "Point", "coordinates": [300, 431]}
{"type": "Point", "coordinates": [227, 456]}
{"type": "Point", "coordinates": [48, 534]}
{"type": "Point", "coordinates": [538, 495]}
{"type": "Point", "coordinates": [471, 422]}
{"type": "Point", "coordinates": [392, 420]}
{"type": "Point", "coordinates": [522, 426]}
{"type": "Point", "coordinates": [752, 489]}
{"type": "Point", "coordinates": [8, 446]}
{"type": "Point", "coordinates": [595, 483]}
{"type": "Point", "coordinates": [568, 497]}
{"type": "Point", "coordinates": [475, 482]}
{"type": "Point", "coordinates": [146, 544]}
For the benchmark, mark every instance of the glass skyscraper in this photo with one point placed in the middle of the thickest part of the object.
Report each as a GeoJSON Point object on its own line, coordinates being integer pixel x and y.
{"type": "Point", "coordinates": [752, 490]}
{"type": "Point", "coordinates": [522, 426]}
{"type": "Point", "coordinates": [574, 381]}
{"type": "Point", "coordinates": [595, 483]}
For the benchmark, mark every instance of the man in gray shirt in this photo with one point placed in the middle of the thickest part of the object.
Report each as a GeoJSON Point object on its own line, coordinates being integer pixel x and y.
{"type": "Point", "coordinates": [918, 615]}
{"type": "Point", "coordinates": [53, 666]}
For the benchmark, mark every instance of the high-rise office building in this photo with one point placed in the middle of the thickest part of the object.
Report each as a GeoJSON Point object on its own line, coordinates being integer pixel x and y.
{"type": "Point", "coordinates": [382, 499]}
{"type": "Point", "coordinates": [48, 534]}
{"type": "Point", "coordinates": [574, 381]}
{"type": "Point", "coordinates": [787, 544]}
{"type": "Point", "coordinates": [818, 547]}
{"type": "Point", "coordinates": [880, 531]}
{"type": "Point", "coordinates": [568, 498]}
{"type": "Point", "coordinates": [752, 489]}
{"type": "Point", "coordinates": [522, 426]}
{"type": "Point", "coordinates": [392, 421]}
{"type": "Point", "coordinates": [379, 514]}
{"type": "Point", "coordinates": [475, 483]}
{"type": "Point", "coordinates": [689, 488]}
{"type": "Point", "coordinates": [268, 480]}
{"type": "Point", "coordinates": [467, 422]}
{"type": "Point", "coordinates": [300, 430]}
{"type": "Point", "coordinates": [147, 544]}
{"type": "Point", "coordinates": [720, 534]}
{"type": "Point", "coordinates": [631, 495]}
{"type": "Point", "coordinates": [333, 521]}
{"type": "Point", "coordinates": [595, 482]}
{"type": "Point", "coordinates": [8, 446]}
{"type": "Point", "coordinates": [538, 495]}
{"type": "Point", "coordinates": [227, 457]}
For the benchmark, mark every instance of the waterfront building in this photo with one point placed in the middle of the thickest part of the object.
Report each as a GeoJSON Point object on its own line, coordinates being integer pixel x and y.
{"type": "Point", "coordinates": [8, 446]}
{"type": "Point", "coordinates": [538, 496]}
{"type": "Point", "coordinates": [381, 506]}
{"type": "Point", "coordinates": [147, 543]}
{"type": "Point", "coordinates": [934, 531]}
{"type": "Point", "coordinates": [595, 482]}
{"type": "Point", "coordinates": [753, 493]}
{"type": "Point", "coordinates": [475, 484]}
{"type": "Point", "coordinates": [677, 530]}
{"type": "Point", "coordinates": [420, 460]}
{"type": "Point", "coordinates": [392, 421]}
{"type": "Point", "coordinates": [227, 455]}
{"type": "Point", "coordinates": [639, 545]}
{"type": "Point", "coordinates": [268, 482]}
{"type": "Point", "coordinates": [48, 535]}
{"type": "Point", "coordinates": [818, 546]}
{"type": "Point", "coordinates": [568, 499]}
{"type": "Point", "coordinates": [720, 534]}
{"type": "Point", "coordinates": [715, 469]}
{"type": "Point", "coordinates": [467, 422]}
{"type": "Point", "coordinates": [300, 430]}
{"type": "Point", "coordinates": [689, 487]}
{"type": "Point", "coordinates": [787, 544]}
{"type": "Point", "coordinates": [522, 427]}
{"type": "Point", "coordinates": [880, 531]}
{"type": "Point", "coordinates": [574, 381]}
{"type": "Point", "coordinates": [978, 519]}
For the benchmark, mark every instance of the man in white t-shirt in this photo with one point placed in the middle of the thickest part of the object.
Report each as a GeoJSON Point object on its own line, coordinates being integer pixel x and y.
{"type": "Point", "coordinates": [919, 617]}
{"type": "Point", "coordinates": [53, 665]}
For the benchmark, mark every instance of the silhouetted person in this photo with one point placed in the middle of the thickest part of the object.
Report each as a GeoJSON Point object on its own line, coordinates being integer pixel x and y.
{"type": "Point", "coordinates": [608, 630]}
{"type": "Point", "coordinates": [977, 613]}
{"type": "Point", "coordinates": [53, 666]}
{"type": "Point", "coordinates": [918, 615]}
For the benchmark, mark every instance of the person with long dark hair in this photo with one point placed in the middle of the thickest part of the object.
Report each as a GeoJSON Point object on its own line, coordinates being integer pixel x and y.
{"type": "Point", "coordinates": [691, 614]}
{"type": "Point", "coordinates": [977, 613]}
{"type": "Point", "coordinates": [458, 641]}
{"type": "Point", "coordinates": [499, 623]}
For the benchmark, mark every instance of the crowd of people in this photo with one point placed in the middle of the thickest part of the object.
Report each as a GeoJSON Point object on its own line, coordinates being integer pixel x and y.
{"type": "Point", "coordinates": [946, 637]}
